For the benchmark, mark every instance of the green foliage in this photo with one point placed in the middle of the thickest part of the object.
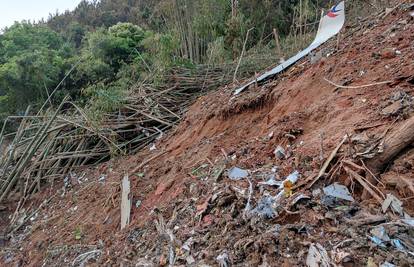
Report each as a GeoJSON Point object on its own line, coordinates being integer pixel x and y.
{"type": "Point", "coordinates": [104, 98]}
{"type": "Point", "coordinates": [33, 60]}
{"type": "Point", "coordinates": [75, 33]}
{"type": "Point", "coordinates": [116, 43]}
{"type": "Point", "coordinates": [160, 51]}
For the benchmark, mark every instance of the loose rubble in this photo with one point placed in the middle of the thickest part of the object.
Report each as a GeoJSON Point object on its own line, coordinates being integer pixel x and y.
{"type": "Point", "coordinates": [216, 192]}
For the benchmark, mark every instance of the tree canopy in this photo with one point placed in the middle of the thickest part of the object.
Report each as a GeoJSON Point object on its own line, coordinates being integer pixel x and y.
{"type": "Point", "coordinates": [108, 45]}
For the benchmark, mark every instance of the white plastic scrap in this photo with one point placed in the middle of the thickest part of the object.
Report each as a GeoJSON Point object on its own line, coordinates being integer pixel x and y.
{"type": "Point", "coordinates": [387, 264]}
{"type": "Point", "coordinates": [338, 191]}
{"type": "Point", "coordinates": [395, 203]}
{"type": "Point", "coordinates": [236, 173]}
{"type": "Point", "coordinates": [317, 256]}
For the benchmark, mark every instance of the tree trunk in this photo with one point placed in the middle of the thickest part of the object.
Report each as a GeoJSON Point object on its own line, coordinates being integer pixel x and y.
{"type": "Point", "coordinates": [394, 143]}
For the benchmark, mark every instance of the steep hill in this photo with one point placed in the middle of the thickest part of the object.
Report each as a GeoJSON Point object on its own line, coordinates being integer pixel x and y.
{"type": "Point", "coordinates": [187, 211]}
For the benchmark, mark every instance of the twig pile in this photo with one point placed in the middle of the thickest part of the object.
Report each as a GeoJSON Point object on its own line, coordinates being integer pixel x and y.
{"type": "Point", "coordinates": [51, 144]}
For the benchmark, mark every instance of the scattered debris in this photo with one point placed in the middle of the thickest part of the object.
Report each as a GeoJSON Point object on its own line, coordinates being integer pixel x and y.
{"type": "Point", "coordinates": [379, 236]}
{"type": "Point", "coordinates": [271, 181]}
{"type": "Point", "coordinates": [236, 173]}
{"type": "Point", "coordinates": [338, 191]}
{"type": "Point", "coordinates": [280, 152]}
{"type": "Point", "coordinates": [287, 184]}
{"type": "Point", "coordinates": [266, 207]}
{"type": "Point", "coordinates": [317, 256]}
{"type": "Point", "coordinates": [394, 203]}
{"type": "Point", "coordinates": [223, 260]}
{"type": "Point", "coordinates": [82, 259]}
{"type": "Point", "coordinates": [392, 109]}
{"type": "Point", "coordinates": [206, 222]}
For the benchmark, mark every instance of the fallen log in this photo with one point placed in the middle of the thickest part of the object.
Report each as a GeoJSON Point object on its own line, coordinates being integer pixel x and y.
{"type": "Point", "coordinates": [393, 144]}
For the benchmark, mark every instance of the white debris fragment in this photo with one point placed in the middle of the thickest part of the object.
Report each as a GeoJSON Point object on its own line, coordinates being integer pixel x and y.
{"type": "Point", "coordinates": [271, 181]}
{"type": "Point", "coordinates": [236, 173]}
{"type": "Point", "coordinates": [279, 152]}
{"type": "Point", "coordinates": [317, 256]}
{"type": "Point", "coordinates": [293, 178]}
{"type": "Point", "coordinates": [387, 264]}
{"type": "Point", "coordinates": [223, 259]}
{"type": "Point", "coordinates": [394, 202]}
{"type": "Point", "coordinates": [338, 191]}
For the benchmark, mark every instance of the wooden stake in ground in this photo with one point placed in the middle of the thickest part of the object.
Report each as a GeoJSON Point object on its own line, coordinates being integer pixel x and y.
{"type": "Point", "coordinates": [125, 202]}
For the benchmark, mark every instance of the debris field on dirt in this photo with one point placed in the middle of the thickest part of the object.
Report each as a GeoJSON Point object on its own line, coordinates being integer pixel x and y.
{"type": "Point", "coordinates": [314, 168]}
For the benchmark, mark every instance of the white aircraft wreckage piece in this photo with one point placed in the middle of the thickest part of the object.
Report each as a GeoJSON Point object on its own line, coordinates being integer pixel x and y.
{"type": "Point", "coordinates": [329, 26]}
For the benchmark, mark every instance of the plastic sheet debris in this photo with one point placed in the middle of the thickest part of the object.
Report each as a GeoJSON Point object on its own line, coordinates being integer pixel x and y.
{"type": "Point", "coordinates": [400, 246]}
{"type": "Point", "coordinates": [266, 207]}
{"type": "Point", "coordinates": [317, 256]}
{"type": "Point", "coordinates": [236, 173]}
{"type": "Point", "coordinates": [338, 191]}
{"type": "Point", "coordinates": [394, 203]}
{"type": "Point", "coordinates": [279, 152]}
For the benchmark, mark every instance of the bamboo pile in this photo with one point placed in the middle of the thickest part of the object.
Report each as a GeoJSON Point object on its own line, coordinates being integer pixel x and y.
{"type": "Point", "coordinates": [50, 145]}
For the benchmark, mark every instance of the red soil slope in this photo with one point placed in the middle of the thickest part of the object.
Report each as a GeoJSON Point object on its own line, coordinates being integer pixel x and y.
{"type": "Point", "coordinates": [300, 111]}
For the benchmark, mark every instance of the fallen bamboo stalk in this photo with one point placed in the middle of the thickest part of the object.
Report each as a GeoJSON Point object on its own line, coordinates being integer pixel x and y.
{"type": "Point", "coordinates": [365, 184]}
{"type": "Point", "coordinates": [328, 161]}
{"type": "Point", "coordinates": [31, 149]}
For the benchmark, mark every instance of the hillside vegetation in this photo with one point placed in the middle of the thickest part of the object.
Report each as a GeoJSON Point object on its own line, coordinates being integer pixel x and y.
{"type": "Point", "coordinates": [102, 48]}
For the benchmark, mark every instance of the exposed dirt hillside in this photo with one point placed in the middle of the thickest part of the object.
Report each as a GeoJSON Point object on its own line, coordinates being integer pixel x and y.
{"type": "Point", "coordinates": [185, 207]}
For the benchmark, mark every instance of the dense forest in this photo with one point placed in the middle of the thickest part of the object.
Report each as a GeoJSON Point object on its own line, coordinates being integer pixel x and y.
{"type": "Point", "coordinates": [96, 52]}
